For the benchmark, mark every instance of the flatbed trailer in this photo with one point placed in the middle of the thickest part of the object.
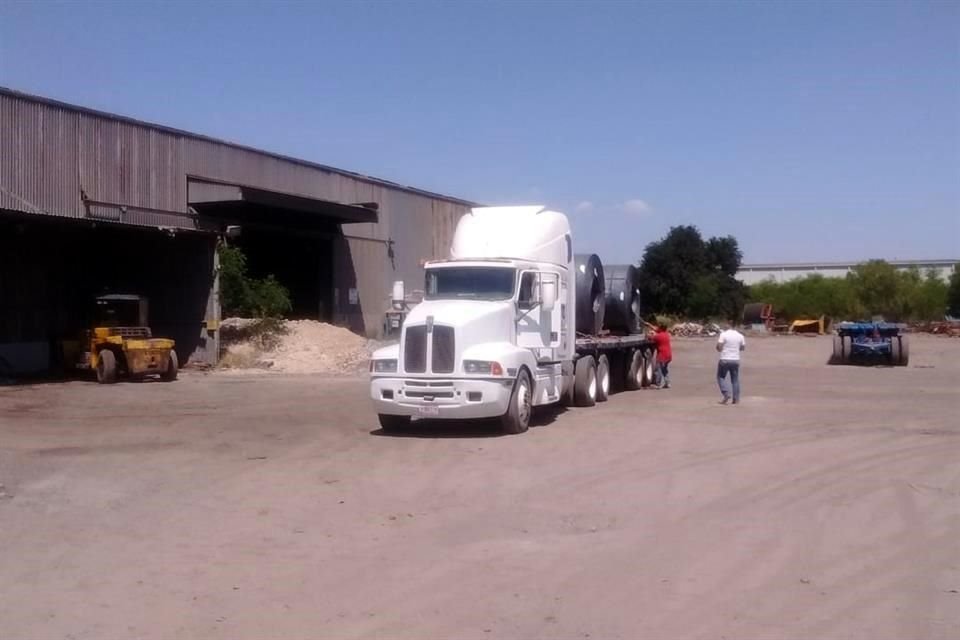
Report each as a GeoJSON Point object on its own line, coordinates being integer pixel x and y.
{"type": "Point", "coordinates": [618, 363]}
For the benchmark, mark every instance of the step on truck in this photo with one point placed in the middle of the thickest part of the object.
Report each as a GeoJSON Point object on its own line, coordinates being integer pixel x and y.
{"type": "Point", "coordinates": [511, 321]}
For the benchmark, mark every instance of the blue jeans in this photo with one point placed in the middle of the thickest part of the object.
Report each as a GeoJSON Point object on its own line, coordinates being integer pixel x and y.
{"type": "Point", "coordinates": [733, 368]}
{"type": "Point", "coordinates": [663, 374]}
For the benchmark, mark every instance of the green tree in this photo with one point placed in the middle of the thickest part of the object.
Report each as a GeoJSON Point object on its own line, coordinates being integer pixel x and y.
{"type": "Point", "coordinates": [928, 297]}
{"type": "Point", "coordinates": [684, 275]}
{"type": "Point", "coordinates": [953, 293]}
{"type": "Point", "coordinates": [241, 295]}
{"type": "Point", "coordinates": [880, 289]}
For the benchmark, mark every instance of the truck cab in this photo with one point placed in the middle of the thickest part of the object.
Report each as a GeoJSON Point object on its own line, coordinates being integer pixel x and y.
{"type": "Point", "coordinates": [494, 335]}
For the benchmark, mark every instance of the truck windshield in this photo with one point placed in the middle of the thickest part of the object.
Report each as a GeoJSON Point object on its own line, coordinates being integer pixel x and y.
{"type": "Point", "coordinates": [473, 283]}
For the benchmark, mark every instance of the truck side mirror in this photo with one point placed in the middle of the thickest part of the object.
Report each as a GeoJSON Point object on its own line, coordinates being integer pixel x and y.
{"type": "Point", "coordinates": [399, 295]}
{"type": "Point", "coordinates": [548, 294]}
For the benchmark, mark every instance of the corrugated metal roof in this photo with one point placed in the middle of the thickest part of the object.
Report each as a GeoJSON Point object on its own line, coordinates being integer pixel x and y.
{"type": "Point", "coordinates": [196, 136]}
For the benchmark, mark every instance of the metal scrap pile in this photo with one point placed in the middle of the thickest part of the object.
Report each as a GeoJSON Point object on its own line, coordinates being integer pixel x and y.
{"type": "Point", "coordinates": [943, 328]}
{"type": "Point", "coordinates": [687, 329]}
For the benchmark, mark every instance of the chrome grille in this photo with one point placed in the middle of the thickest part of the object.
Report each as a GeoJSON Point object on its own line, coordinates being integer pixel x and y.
{"type": "Point", "coordinates": [415, 350]}
{"type": "Point", "coordinates": [442, 360]}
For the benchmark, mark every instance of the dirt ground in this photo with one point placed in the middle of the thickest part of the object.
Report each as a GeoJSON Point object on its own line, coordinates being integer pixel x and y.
{"type": "Point", "coordinates": [826, 505]}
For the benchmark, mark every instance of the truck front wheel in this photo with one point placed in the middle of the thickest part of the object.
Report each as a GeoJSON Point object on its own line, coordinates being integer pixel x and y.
{"type": "Point", "coordinates": [517, 418]}
{"type": "Point", "coordinates": [585, 382]}
{"type": "Point", "coordinates": [393, 424]}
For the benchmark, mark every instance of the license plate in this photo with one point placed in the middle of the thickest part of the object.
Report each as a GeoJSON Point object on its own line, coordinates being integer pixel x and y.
{"type": "Point", "coordinates": [429, 412]}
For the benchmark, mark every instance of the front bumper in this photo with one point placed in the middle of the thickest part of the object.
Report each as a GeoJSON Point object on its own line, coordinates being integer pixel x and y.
{"type": "Point", "coordinates": [441, 398]}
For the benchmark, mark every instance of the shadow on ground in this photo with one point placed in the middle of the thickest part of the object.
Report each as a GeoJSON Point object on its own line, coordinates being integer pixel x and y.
{"type": "Point", "coordinates": [469, 428]}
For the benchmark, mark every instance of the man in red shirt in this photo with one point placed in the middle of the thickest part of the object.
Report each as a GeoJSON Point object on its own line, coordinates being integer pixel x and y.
{"type": "Point", "coordinates": [664, 355]}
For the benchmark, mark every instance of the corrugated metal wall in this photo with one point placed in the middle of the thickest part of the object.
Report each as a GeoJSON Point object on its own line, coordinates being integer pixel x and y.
{"type": "Point", "coordinates": [50, 152]}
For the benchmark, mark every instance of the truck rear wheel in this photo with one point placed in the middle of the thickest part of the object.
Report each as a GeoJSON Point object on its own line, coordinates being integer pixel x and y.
{"type": "Point", "coordinates": [585, 382]}
{"type": "Point", "coordinates": [393, 424]}
{"type": "Point", "coordinates": [603, 379]}
{"type": "Point", "coordinates": [172, 368]}
{"type": "Point", "coordinates": [649, 363]}
{"type": "Point", "coordinates": [106, 367]}
{"type": "Point", "coordinates": [634, 376]}
{"type": "Point", "coordinates": [517, 418]}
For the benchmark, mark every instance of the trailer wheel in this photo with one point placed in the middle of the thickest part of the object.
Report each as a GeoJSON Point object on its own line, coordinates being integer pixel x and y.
{"type": "Point", "coordinates": [517, 418]}
{"type": "Point", "coordinates": [393, 424]}
{"type": "Point", "coordinates": [172, 367]}
{"type": "Point", "coordinates": [649, 362]}
{"type": "Point", "coordinates": [603, 379]}
{"type": "Point", "coordinates": [106, 367]}
{"type": "Point", "coordinates": [837, 357]}
{"type": "Point", "coordinates": [904, 351]}
{"type": "Point", "coordinates": [585, 382]}
{"type": "Point", "coordinates": [634, 377]}
{"type": "Point", "coordinates": [899, 351]}
{"type": "Point", "coordinates": [847, 349]}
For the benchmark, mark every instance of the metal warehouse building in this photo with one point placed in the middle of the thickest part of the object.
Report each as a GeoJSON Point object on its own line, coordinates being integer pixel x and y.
{"type": "Point", "coordinates": [92, 202]}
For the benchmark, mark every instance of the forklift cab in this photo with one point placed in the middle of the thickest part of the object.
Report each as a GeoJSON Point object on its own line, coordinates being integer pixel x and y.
{"type": "Point", "coordinates": [121, 310]}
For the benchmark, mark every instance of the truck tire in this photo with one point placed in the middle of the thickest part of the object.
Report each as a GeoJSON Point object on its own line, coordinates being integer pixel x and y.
{"type": "Point", "coordinates": [837, 357]}
{"type": "Point", "coordinates": [393, 424]}
{"type": "Point", "coordinates": [106, 367]}
{"type": "Point", "coordinates": [172, 368]}
{"type": "Point", "coordinates": [847, 349]}
{"type": "Point", "coordinates": [603, 379]}
{"type": "Point", "coordinates": [585, 382]}
{"type": "Point", "coordinates": [517, 418]}
{"type": "Point", "coordinates": [634, 376]}
{"type": "Point", "coordinates": [649, 367]}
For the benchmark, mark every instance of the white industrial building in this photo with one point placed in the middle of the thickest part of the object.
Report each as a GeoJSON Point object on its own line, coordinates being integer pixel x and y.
{"type": "Point", "coordinates": [782, 272]}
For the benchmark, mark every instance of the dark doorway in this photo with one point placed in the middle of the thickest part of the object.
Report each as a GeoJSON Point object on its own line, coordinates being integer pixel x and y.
{"type": "Point", "coordinates": [302, 262]}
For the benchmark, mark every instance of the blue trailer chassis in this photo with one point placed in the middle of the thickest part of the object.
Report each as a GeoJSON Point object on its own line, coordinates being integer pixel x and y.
{"type": "Point", "coordinates": [870, 343]}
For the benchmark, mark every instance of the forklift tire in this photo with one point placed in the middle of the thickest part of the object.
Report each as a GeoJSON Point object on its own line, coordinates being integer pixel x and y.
{"type": "Point", "coordinates": [585, 382]}
{"type": "Point", "coordinates": [106, 367]}
{"type": "Point", "coordinates": [393, 424]}
{"type": "Point", "coordinates": [172, 367]}
{"type": "Point", "coordinates": [603, 379]}
{"type": "Point", "coordinates": [634, 377]}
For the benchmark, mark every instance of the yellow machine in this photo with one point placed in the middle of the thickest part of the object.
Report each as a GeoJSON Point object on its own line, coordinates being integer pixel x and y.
{"type": "Point", "coordinates": [121, 344]}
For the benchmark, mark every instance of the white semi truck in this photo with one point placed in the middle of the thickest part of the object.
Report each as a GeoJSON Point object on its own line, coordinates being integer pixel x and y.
{"type": "Point", "coordinates": [496, 332]}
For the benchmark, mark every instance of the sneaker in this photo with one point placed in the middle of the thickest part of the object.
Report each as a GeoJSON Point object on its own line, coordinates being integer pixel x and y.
{"type": "Point", "coordinates": [725, 400]}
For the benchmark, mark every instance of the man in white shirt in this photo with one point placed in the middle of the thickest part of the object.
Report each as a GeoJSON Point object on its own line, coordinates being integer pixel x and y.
{"type": "Point", "coordinates": [730, 344]}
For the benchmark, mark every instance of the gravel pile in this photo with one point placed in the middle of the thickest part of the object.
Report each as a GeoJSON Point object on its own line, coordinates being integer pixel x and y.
{"type": "Point", "coordinates": [295, 346]}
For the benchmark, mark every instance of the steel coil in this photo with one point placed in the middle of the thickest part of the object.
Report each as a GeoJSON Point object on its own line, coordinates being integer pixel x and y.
{"type": "Point", "coordinates": [591, 288]}
{"type": "Point", "coordinates": [623, 311]}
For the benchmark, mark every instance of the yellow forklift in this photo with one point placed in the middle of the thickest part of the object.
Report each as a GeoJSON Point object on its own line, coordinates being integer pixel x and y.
{"type": "Point", "coordinates": [120, 342]}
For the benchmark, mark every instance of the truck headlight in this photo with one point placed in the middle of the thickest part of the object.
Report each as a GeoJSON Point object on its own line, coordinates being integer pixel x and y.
{"type": "Point", "coordinates": [482, 367]}
{"type": "Point", "coordinates": [383, 366]}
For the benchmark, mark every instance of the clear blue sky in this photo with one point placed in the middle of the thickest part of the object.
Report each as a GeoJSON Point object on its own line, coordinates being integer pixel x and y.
{"type": "Point", "coordinates": [809, 131]}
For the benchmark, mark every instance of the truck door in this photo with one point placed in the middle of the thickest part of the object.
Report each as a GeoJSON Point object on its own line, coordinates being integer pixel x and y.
{"type": "Point", "coordinates": [538, 329]}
